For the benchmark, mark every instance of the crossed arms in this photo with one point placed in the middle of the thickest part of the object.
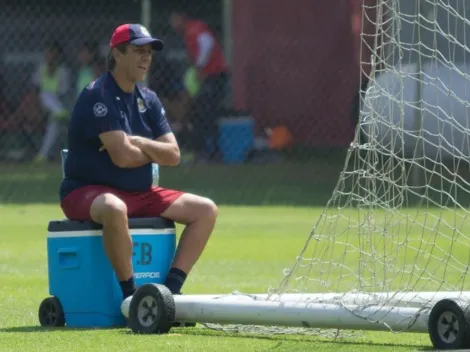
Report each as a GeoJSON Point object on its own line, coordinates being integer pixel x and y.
{"type": "Point", "coordinates": [133, 151]}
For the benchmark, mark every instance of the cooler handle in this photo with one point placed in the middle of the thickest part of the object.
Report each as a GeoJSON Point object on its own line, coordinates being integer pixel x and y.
{"type": "Point", "coordinates": [68, 258]}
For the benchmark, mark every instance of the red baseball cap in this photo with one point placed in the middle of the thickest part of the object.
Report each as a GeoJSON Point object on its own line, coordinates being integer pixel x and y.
{"type": "Point", "coordinates": [134, 34]}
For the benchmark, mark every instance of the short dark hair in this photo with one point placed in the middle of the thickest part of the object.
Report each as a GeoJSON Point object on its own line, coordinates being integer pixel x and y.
{"type": "Point", "coordinates": [181, 13]}
{"type": "Point", "coordinates": [91, 46]}
{"type": "Point", "coordinates": [110, 60]}
{"type": "Point", "coordinates": [56, 46]}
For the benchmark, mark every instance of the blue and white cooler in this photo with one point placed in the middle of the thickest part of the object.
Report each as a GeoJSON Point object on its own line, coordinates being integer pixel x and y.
{"type": "Point", "coordinates": [84, 289]}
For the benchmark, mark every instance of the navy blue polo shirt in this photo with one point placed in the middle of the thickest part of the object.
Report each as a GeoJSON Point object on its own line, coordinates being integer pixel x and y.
{"type": "Point", "coordinates": [101, 107]}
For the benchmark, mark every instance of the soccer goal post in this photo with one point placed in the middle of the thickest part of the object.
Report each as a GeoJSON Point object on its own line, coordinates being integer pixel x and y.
{"type": "Point", "coordinates": [391, 249]}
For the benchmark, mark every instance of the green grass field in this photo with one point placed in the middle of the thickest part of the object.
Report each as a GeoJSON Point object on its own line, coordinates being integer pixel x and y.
{"type": "Point", "coordinates": [250, 261]}
{"type": "Point", "coordinates": [277, 220]}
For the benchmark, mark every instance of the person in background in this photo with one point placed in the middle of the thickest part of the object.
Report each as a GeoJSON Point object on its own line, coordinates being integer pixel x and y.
{"type": "Point", "coordinates": [4, 108]}
{"type": "Point", "coordinates": [99, 66]}
{"type": "Point", "coordinates": [167, 79]}
{"type": "Point", "coordinates": [211, 70]}
{"type": "Point", "coordinates": [87, 59]}
{"type": "Point", "coordinates": [19, 124]}
{"type": "Point", "coordinates": [52, 81]}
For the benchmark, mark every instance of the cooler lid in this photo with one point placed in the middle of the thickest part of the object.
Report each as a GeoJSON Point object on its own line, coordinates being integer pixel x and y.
{"type": "Point", "coordinates": [134, 223]}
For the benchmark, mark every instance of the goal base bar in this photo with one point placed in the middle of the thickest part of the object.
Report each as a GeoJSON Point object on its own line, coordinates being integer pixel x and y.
{"type": "Point", "coordinates": [351, 311]}
{"type": "Point", "coordinates": [396, 299]}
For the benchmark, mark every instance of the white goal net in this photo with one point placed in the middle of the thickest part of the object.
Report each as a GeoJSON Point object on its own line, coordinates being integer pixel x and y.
{"type": "Point", "coordinates": [397, 223]}
{"type": "Point", "coordinates": [395, 236]}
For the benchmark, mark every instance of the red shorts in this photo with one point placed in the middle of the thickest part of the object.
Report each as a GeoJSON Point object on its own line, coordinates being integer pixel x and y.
{"type": "Point", "coordinates": [76, 205]}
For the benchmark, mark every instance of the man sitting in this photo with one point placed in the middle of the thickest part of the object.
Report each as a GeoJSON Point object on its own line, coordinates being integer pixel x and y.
{"type": "Point", "coordinates": [117, 130]}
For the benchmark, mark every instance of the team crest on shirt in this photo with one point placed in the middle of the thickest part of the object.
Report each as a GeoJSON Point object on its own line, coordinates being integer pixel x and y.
{"type": "Point", "coordinates": [100, 110]}
{"type": "Point", "coordinates": [141, 105]}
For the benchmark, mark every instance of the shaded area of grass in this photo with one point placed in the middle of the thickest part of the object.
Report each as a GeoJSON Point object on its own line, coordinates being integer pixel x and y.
{"type": "Point", "coordinates": [301, 178]}
{"type": "Point", "coordinates": [307, 180]}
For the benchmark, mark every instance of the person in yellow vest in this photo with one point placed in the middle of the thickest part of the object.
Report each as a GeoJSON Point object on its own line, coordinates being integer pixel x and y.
{"type": "Point", "coordinates": [52, 80]}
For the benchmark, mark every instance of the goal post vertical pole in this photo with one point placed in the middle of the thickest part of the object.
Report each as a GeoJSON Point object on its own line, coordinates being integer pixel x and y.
{"type": "Point", "coordinates": [417, 165]}
{"type": "Point", "coordinates": [146, 20]}
{"type": "Point", "coordinates": [227, 35]}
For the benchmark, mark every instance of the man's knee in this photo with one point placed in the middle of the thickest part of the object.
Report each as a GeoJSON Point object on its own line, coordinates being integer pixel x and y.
{"type": "Point", "coordinates": [190, 208]}
{"type": "Point", "coordinates": [202, 208]}
{"type": "Point", "coordinates": [207, 208]}
{"type": "Point", "coordinates": [107, 207]}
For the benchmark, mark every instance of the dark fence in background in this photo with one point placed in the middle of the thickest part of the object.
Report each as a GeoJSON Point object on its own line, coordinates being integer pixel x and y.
{"type": "Point", "coordinates": [293, 83]}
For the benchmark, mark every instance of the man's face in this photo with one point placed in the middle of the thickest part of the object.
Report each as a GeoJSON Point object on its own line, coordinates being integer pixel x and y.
{"type": "Point", "coordinates": [85, 57]}
{"type": "Point", "coordinates": [51, 56]}
{"type": "Point", "coordinates": [177, 22]}
{"type": "Point", "coordinates": [136, 61]}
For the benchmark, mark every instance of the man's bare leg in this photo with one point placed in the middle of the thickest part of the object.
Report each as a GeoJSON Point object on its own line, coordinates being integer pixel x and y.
{"type": "Point", "coordinates": [111, 212]}
{"type": "Point", "coordinates": [199, 214]}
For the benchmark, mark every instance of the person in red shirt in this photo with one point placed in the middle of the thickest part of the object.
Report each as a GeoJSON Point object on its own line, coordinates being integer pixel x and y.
{"type": "Point", "coordinates": [206, 56]}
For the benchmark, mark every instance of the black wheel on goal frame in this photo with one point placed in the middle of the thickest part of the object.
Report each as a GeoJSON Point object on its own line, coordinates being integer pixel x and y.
{"type": "Point", "coordinates": [51, 313]}
{"type": "Point", "coordinates": [449, 325]}
{"type": "Point", "coordinates": [152, 310]}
